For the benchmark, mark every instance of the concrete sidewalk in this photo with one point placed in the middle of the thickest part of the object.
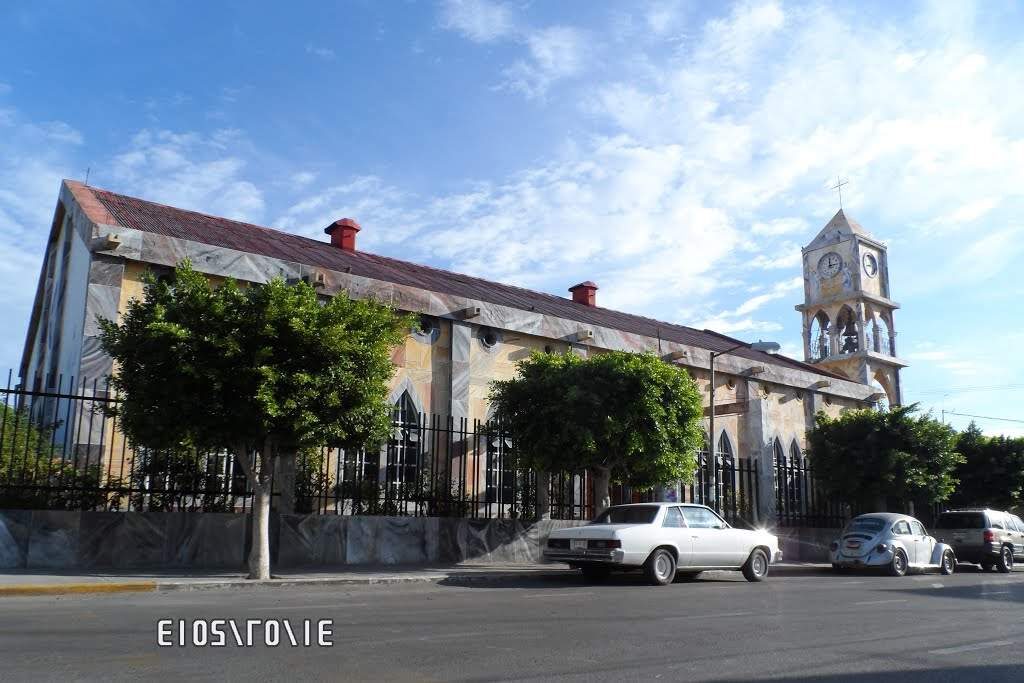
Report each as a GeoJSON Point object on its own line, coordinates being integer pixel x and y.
{"type": "Point", "coordinates": [112, 581]}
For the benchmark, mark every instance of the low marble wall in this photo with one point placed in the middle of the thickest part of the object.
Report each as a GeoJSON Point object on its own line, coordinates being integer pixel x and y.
{"type": "Point", "coordinates": [53, 539]}
{"type": "Point", "coordinates": [805, 544]}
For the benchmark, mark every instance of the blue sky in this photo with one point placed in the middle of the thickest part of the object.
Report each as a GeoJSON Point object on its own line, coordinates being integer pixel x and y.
{"type": "Point", "coordinates": [677, 153]}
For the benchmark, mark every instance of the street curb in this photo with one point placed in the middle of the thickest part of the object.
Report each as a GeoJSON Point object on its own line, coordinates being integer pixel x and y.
{"type": "Point", "coordinates": [23, 589]}
{"type": "Point", "coordinates": [456, 578]}
{"type": "Point", "coordinates": [19, 590]}
{"type": "Point", "coordinates": [451, 579]}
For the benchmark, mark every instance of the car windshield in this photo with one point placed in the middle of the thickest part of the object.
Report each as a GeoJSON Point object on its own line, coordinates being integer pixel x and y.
{"type": "Point", "coordinates": [870, 525]}
{"type": "Point", "coordinates": [627, 514]}
{"type": "Point", "coordinates": [960, 520]}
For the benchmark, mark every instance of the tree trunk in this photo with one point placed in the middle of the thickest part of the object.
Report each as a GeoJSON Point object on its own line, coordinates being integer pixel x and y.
{"type": "Point", "coordinates": [259, 555]}
{"type": "Point", "coordinates": [543, 495]}
{"type": "Point", "coordinates": [286, 483]}
{"type": "Point", "coordinates": [602, 489]}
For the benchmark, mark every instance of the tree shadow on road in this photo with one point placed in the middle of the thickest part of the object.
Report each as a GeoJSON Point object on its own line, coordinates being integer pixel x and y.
{"type": "Point", "coordinates": [989, 673]}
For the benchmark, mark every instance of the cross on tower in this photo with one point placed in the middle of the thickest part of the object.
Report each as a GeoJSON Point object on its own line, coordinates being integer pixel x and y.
{"type": "Point", "coordinates": [839, 186]}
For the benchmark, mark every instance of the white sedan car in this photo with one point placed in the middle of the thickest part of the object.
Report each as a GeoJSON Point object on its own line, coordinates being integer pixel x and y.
{"type": "Point", "coordinates": [661, 539]}
{"type": "Point", "coordinates": [890, 541]}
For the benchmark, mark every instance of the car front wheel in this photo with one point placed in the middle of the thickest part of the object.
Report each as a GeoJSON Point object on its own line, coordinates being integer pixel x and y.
{"type": "Point", "coordinates": [756, 567]}
{"type": "Point", "coordinates": [948, 565]}
{"type": "Point", "coordinates": [660, 568]}
{"type": "Point", "coordinates": [898, 567]}
{"type": "Point", "coordinates": [1005, 563]}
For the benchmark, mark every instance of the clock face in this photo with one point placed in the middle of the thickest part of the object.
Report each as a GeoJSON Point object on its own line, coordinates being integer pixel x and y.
{"type": "Point", "coordinates": [830, 264]}
{"type": "Point", "coordinates": [870, 265]}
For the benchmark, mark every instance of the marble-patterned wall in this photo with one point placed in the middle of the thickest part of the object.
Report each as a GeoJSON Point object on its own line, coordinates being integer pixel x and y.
{"type": "Point", "coordinates": [56, 539]}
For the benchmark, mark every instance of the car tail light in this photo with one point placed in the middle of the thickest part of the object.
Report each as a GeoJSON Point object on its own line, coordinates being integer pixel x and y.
{"type": "Point", "coordinates": [615, 543]}
{"type": "Point", "coordinates": [989, 536]}
{"type": "Point", "coordinates": [834, 545]}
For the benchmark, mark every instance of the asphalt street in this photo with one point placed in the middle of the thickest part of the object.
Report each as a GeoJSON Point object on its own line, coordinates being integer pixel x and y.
{"type": "Point", "coordinates": [965, 627]}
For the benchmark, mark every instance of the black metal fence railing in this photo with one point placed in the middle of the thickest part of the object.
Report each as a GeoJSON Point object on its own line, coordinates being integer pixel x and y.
{"type": "Point", "coordinates": [799, 501]}
{"type": "Point", "coordinates": [738, 490]}
{"type": "Point", "coordinates": [60, 449]}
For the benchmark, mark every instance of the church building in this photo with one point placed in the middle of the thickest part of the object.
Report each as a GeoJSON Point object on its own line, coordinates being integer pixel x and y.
{"type": "Point", "coordinates": [472, 330]}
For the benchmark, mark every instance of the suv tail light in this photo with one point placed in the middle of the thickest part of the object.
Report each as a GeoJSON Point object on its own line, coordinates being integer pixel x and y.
{"type": "Point", "coordinates": [605, 544]}
{"type": "Point", "coordinates": [989, 536]}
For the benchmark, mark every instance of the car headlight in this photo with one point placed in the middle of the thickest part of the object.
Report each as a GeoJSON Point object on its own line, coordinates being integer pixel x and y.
{"type": "Point", "coordinates": [881, 547]}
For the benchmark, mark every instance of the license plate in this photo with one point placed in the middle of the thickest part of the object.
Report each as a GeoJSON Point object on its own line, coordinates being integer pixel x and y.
{"type": "Point", "coordinates": [852, 544]}
{"type": "Point", "coordinates": [578, 544]}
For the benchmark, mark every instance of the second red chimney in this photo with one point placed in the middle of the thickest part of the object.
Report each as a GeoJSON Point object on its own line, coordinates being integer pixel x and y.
{"type": "Point", "coordinates": [343, 233]}
{"type": "Point", "coordinates": [585, 293]}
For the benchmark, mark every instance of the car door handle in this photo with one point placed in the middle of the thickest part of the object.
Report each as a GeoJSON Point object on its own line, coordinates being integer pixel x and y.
{"type": "Point", "coordinates": [694, 536]}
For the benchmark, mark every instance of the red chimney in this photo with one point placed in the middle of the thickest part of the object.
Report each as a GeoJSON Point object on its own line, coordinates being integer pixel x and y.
{"type": "Point", "coordinates": [343, 233]}
{"type": "Point", "coordinates": [585, 293]}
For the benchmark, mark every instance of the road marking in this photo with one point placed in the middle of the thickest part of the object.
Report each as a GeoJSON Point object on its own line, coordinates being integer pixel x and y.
{"type": "Point", "coordinates": [708, 616]}
{"type": "Point", "coordinates": [936, 585]}
{"type": "Point", "coordinates": [850, 583]}
{"type": "Point", "coordinates": [303, 607]}
{"type": "Point", "coordinates": [533, 596]}
{"type": "Point", "coordinates": [878, 602]}
{"type": "Point", "coordinates": [995, 593]}
{"type": "Point", "coordinates": [968, 648]}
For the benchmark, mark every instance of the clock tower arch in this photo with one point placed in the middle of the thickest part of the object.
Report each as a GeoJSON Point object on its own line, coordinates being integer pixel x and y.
{"type": "Point", "coordinates": [848, 323]}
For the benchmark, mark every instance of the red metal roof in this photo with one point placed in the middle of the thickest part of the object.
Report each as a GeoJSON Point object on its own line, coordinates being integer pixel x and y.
{"type": "Point", "coordinates": [146, 216]}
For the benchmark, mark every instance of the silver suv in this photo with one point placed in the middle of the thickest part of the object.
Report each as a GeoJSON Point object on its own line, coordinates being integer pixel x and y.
{"type": "Point", "coordinates": [991, 538]}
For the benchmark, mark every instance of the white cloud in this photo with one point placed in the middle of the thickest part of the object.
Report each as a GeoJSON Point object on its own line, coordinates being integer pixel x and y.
{"type": "Point", "coordinates": [325, 53]}
{"type": "Point", "coordinates": [188, 170]}
{"type": "Point", "coordinates": [479, 20]}
{"type": "Point", "coordinates": [555, 53]}
{"type": "Point", "coordinates": [4, 88]}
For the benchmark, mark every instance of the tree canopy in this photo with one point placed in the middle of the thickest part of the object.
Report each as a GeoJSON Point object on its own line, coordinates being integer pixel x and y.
{"type": "Point", "coordinates": [623, 416]}
{"type": "Point", "coordinates": [267, 368]}
{"type": "Point", "coordinates": [883, 458]}
{"type": "Point", "coordinates": [992, 473]}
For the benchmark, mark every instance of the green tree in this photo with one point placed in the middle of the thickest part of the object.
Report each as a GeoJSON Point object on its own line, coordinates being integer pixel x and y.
{"type": "Point", "coordinates": [262, 371]}
{"type": "Point", "coordinates": [992, 473]}
{"type": "Point", "coordinates": [877, 458]}
{"type": "Point", "coordinates": [34, 475]}
{"type": "Point", "coordinates": [622, 416]}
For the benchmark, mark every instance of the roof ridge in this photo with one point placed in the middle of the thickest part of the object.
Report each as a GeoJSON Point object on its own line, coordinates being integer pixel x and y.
{"type": "Point", "coordinates": [279, 235]}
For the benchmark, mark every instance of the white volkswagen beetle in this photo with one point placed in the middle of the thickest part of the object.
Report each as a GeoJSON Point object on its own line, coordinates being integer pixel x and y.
{"type": "Point", "coordinates": [661, 539]}
{"type": "Point", "coordinates": [890, 541]}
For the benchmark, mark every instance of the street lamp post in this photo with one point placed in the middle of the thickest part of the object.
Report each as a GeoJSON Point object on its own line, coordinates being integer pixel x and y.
{"type": "Point", "coordinates": [712, 476]}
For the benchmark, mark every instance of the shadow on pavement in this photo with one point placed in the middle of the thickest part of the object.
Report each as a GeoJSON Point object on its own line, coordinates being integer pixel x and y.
{"type": "Point", "coordinates": [961, 674]}
{"type": "Point", "coordinates": [575, 580]}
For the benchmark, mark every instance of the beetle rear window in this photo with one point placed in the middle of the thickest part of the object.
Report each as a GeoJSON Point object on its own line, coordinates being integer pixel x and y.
{"type": "Point", "coordinates": [869, 524]}
{"type": "Point", "coordinates": [960, 520]}
{"type": "Point", "coordinates": [628, 514]}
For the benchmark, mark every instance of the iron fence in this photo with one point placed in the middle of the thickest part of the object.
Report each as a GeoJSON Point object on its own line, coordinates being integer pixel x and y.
{"type": "Point", "coordinates": [60, 448]}
{"type": "Point", "coordinates": [800, 501]}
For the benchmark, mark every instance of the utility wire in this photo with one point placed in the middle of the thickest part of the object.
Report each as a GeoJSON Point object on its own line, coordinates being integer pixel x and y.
{"type": "Point", "coordinates": [982, 417]}
{"type": "Point", "coordinates": [952, 390]}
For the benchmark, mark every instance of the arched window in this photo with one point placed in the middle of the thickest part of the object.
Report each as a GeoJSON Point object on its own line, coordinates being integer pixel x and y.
{"type": "Point", "coordinates": [725, 453]}
{"type": "Point", "coordinates": [779, 461]}
{"type": "Point", "coordinates": [820, 335]}
{"type": "Point", "coordinates": [878, 333]}
{"type": "Point", "coordinates": [779, 455]}
{"type": "Point", "coordinates": [846, 328]}
{"type": "Point", "coordinates": [794, 453]}
{"type": "Point", "coordinates": [403, 458]}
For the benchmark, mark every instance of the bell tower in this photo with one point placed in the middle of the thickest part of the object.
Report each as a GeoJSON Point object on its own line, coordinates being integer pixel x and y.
{"type": "Point", "coordinates": [847, 313]}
